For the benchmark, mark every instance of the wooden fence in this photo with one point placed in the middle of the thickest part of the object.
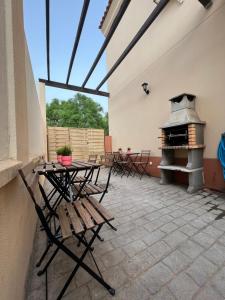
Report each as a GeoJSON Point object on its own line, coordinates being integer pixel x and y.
{"type": "Point", "coordinates": [83, 141]}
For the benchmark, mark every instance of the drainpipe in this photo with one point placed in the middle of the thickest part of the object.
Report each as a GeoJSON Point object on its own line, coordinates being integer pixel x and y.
{"type": "Point", "coordinates": [206, 3]}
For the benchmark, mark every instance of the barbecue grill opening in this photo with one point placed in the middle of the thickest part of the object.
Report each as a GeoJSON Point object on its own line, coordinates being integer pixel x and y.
{"type": "Point", "coordinates": [176, 136]}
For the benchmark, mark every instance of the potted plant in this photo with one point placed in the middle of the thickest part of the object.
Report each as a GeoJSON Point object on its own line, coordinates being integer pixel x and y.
{"type": "Point", "coordinates": [66, 158]}
{"type": "Point", "coordinates": [59, 154]}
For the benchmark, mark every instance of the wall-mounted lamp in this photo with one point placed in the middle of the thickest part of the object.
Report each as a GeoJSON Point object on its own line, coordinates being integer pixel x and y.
{"type": "Point", "coordinates": [145, 87]}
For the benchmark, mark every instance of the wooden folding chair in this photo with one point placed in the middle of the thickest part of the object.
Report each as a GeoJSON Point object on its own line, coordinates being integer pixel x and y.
{"type": "Point", "coordinates": [74, 220]}
{"type": "Point", "coordinates": [91, 159]}
{"type": "Point", "coordinates": [141, 164]}
{"type": "Point", "coordinates": [91, 189]}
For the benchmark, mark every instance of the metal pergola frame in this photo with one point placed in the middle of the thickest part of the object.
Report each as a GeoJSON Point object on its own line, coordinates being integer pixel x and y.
{"type": "Point", "coordinates": [125, 3]}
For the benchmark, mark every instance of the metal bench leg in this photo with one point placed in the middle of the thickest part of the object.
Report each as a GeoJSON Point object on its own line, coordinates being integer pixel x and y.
{"type": "Point", "coordinates": [48, 263]}
{"type": "Point", "coordinates": [43, 255]}
{"type": "Point", "coordinates": [47, 249]}
{"type": "Point", "coordinates": [80, 263]}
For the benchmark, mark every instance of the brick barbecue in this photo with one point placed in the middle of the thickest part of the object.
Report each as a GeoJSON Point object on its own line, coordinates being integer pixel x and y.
{"type": "Point", "coordinates": [184, 130]}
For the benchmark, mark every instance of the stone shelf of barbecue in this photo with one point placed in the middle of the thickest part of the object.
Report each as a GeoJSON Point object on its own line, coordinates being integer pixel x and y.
{"type": "Point", "coordinates": [179, 168]}
{"type": "Point", "coordinates": [187, 147]}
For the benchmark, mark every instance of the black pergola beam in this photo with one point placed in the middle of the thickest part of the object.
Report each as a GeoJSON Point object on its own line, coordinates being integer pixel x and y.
{"type": "Point", "coordinates": [206, 3]}
{"type": "Point", "coordinates": [77, 39]}
{"type": "Point", "coordinates": [113, 27]}
{"type": "Point", "coordinates": [73, 87]}
{"type": "Point", "coordinates": [47, 18]}
{"type": "Point", "coordinates": [160, 6]}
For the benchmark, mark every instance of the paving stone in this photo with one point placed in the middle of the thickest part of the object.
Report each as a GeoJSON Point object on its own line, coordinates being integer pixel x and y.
{"type": "Point", "coordinates": [183, 287]}
{"type": "Point", "coordinates": [208, 293]}
{"type": "Point", "coordinates": [114, 276]}
{"type": "Point", "coordinates": [63, 267]}
{"type": "Point", "coordinates": [37, 294]}
{"type": "Point", "coordinates": [134, 247]}
{"type": "Point", "coordinates": [179, 221]}
{"type": "Point", "coordinates": [151, 226]}
{"type": "Point", "coordinates": [178, 213]}
{"type": "Point", "coordinates": [82, 277]}
{"type": "Point", "coordinates": [113, 257]}
{"type": "Point", "coordinates": [214, 232]}
{"type": "Point", "coordinates": [159, 249]}
{"type": "Point", "coordinates": [189, 217]}
{"type": "Point", "coordinates": [36, 282]}
{"type": "Point", "coordinates": [103, 248]}
{"type": "Point", "coordinates": [131, 291]}
{"type": "Point", "coordinates": [137, 233]}
{"type": "Point", "coordinates": [190, 248]}
{"type": "Point", "coordinates": [155, 277]}
{"type": "Point", "coordinates": [167, 218]}
{"type": "Point", "coordinates": [198, 223]}
{"type": "Point", "coordinates": [97, 291]}
{"type": "Point", "coordinates": [219, 280]}
{"type": "Point", "coordinates": [203, 239]}
{"type": "Point", "coordinates": [141, 222]}
{"type": "Point", "coordinates": [188, 229]}
{"type": "Point", "coordinates": [109, 235]}
{"type": "Point", "coordinates": [220, 224]}
{"type": "Point", "coordinates": [153, 216]}
{"type": "Point", "coordinates": [207, 218]}
{"type": "Point", "coordinates": [138, 264]}
{"type": "Point", "coordinates": [201, 270]}
{"type": "Point", "coordinates": [164, 294]}
{"type": "Point", "coordinates": [216, 254]}
{"type": "Point", "coordinates": [175, 238]}
{"type": "Point", "coordinates": [55, 286]}
{"type": "Point", "coordinates": [222, 240]}
{"type": "Point", "coordinates": [122, 240]}
{"type": "Point", "coordinates": [169, 227]}
{"type": "Point", "coordinates": [153, 237]}
{"type": "Point", "coordinates": [176, 261]}
{"type": "Point", "coordinates": [78, 293]}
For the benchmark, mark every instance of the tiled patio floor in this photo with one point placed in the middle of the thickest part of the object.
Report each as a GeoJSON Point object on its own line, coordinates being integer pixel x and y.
{"type": "Point", "coordinates": [168, 246]}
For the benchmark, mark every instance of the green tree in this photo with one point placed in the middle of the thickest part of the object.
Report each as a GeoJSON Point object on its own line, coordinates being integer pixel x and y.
{"type": "Point", "coordinates": [79, 111]}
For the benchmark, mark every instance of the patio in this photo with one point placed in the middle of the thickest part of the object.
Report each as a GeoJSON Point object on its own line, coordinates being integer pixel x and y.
{"type": "Point", "coordinates": [168, 246]}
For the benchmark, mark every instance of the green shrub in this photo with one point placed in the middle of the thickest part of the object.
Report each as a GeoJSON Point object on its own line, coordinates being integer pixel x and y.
{"type": "Point", "coordinates": [59, 151]}
{"type": "Point", "coordinates": [66, 151]}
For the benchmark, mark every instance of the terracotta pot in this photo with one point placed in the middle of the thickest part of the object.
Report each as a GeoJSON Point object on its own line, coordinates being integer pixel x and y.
{"type": "Point", "coordinates": [66, 160]}
{"type": "Point", "coordinates": [59, 158]}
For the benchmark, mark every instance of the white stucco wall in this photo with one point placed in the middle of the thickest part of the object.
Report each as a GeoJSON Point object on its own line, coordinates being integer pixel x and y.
{"type": "Point", "coordinates": [36, 123]}
{"type": "Point", "coordinates": [183, 51]}
{"type": "Point", "coordinates": [21, 139]}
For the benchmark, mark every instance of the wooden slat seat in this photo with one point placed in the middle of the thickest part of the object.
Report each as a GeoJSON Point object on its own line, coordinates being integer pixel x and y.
{"type": "Point", "coordinates": [96, 216]}
{"type": "Point", "coordinates": [82, 215]}
{"type": "Point", "coordinates": [64, 222]}
{"type": "Point", "coordinates": [101, 209]}
{"type": "Point", "coordinates": [75, 220]}
{"type": "Point", "coordinates": [75, 189]}
{"type": "Point", "coordinates": [98, 188]}
{"type": "Point", "coordinates": [89, 189]}
{"type": "Point", "coordinates": [79, 179]}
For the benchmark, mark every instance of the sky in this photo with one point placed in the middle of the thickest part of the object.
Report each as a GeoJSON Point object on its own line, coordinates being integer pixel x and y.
{"type": "Point", "coordinates": [64, 19]}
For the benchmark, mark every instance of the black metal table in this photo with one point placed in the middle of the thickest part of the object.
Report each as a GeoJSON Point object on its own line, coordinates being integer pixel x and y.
{"type": "Point", "coordinates": [61, 177]}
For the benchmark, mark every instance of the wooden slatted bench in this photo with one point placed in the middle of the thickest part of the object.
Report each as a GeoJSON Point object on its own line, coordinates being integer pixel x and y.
{"type": "Point", "coordinates": [84, 214]}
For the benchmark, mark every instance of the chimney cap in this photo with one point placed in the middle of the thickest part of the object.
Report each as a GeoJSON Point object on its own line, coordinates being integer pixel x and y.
{"type": "Point", "coordinates": [178, 98]}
